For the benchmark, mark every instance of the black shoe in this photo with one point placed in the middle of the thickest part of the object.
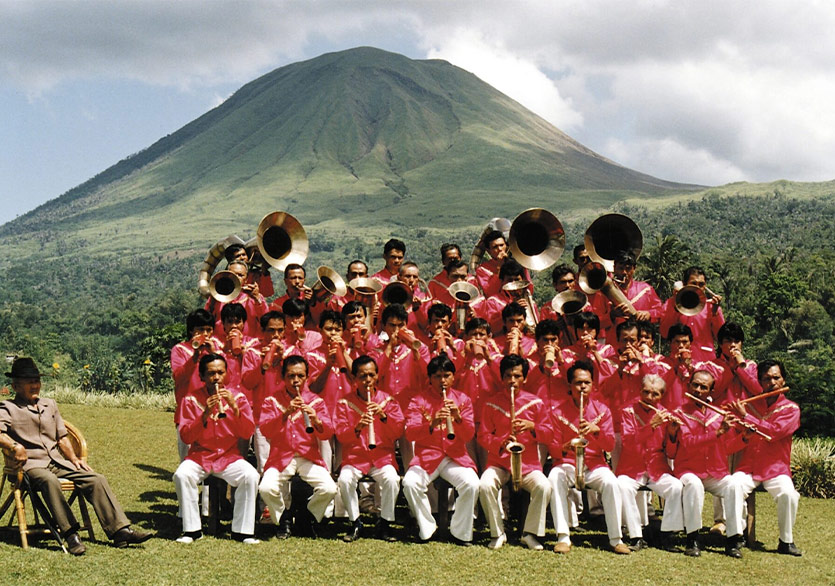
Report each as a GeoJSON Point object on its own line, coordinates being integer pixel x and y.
{"type": "Point", "coordinates": [354, 533]}
{"type": "Point", "coordinates": [664, 541]}
{"type": "Point", "coordinates": [693, 548]}
{"type": "Point", "coordinates": [74, 544]}
{"type": "Point", "coordinates": [638, 544]}
{"type": "Point", "coordinates": [383, 531]}
{"type": "Point", "coordinates": [460, 542]}
{"type": "Point", "coordinates": [732, 546]}
{"type": "Point", "coordinates": [128, 536]}
{"type": "Point", "coordinates": [789, 549]}
{"type": "Point", "coordinates": [282, 530]}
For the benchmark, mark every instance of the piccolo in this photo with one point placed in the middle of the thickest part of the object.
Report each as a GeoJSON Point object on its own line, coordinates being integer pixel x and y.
{"type": "Point", "coordinates": [372, 436]}
{"type": "Point", "coordinates": [773, 393]}
{"type": "Point", "coordinates": [450, 431]}
{"type": "Point", "coordinates": [662, 412]}
{"type": "Point", "coordinates": [749, 426]}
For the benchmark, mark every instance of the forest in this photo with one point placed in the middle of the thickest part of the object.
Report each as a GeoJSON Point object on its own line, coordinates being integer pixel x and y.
{"type": "Point", "coordinates": [108, 323]}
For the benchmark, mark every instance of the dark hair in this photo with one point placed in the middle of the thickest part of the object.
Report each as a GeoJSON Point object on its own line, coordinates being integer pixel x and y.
{"type": "Point", "coordinates": [494, 235]}
{"type": "Point", "coordinates": [293, 307]}
{"type": "Point", "coordinates": [394, 310]}
{"type": "Point", "coordinates": [352, 307]}
{"type": "Point", "coordinates": [475, 323]}
{"type": "Point", "coordinates": [690, 271]}
{"type": "Point", "coordinates": [294, 267]}
{"type": "Point", "coordinates": [206, 359]}
{"type": "Point", "coordinates": [291, 360]}
{"type": "Point", "coordinates": [624, 257]}
{"type": "Point", "coordinates": [233, 311]}
{"type": "Point", "coordinates": [197, 319]}
{"type": "Point", "coordinates": [766, 365]}
{"type": "Point", "coordinates": [512, 309]}
{"type": "Point", "coordinates": [231, 251]}
{"type": "Point", "coordinates": [511, 268]}
{"type": "Point", "coordinates": [331, 315]}
{"type": "Point", "coordinates": [355, 261]}
{"type": "Point", "coordinates": [546, 327]}
{"type": "Point", "coordinates": [579, 365]}
{"type": "Point", "coordinates": [512, 361]}
{"type": "Point", "coordinates": [649, 328]}
{"type": "Point", "coordinates": [362, 361]}
{"type": "Point", "coordinates": [394, 244]}
{"type": "Point", "coordinates": [440, 363]}
{"type": "Point", "coordinates": [264, 320]}
{"type": "Point", "coordinates": [455, 264]}
{"type": "Point", "coordinates": [587, 318]}
{"type": "Point", "coordinates": [446, 247]}
{"type": "Point", "coordinates": [559, 271]}
{"type": "Point", "coordinates": [625, 325]}
{"type": "Point", "coordinates": [730, 331]}
{"type": "Point", "coordinates": [678, 329]}
{"type": "Point", "coordinates": [578, 249]}
{"type": "Point", "coordinates": [438, 310]}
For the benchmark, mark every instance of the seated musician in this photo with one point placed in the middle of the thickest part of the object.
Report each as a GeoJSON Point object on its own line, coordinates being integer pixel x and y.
{"type": "Point", "coordinates": [767, 461]}
{"type": "Point", "coordinates": [513, 338]}
{"type": "Point", "coordinates": [704, 325]}
{"type": "Point", "coordinates": [394, 251]}
{"type": "Point", "coordinates": [594, 424]}
{"type": "Point", "coordinates": [643, 462]}
{"type": "Point", "coordinates": [512, 416]}
{"type": "Point", "coordinates": [213, 418]}
{"type": "Point", "coordinates": [250, 297]}
{"type": "Point", "coordinates": [356, 415]}
{"type": "Point", "coordinates": [294, 420]}
{"type": "Point", "coordinates": [697, 442]}
{"type": "Point", "coordinates": [238, 252]}
{"type": "Point", "coordinates": [435, 454]}
{"type": "Point", "coordinates": [440, 282]}
{"type": "Point", "coordinates": [33, 434]}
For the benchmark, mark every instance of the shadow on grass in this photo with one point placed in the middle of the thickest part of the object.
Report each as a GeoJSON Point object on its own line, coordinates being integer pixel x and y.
{"type": "Point", "coordinates": [155, 472]}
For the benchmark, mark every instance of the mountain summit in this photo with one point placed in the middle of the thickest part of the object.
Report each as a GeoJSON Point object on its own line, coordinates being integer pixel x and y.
{"type": "Point", "coordinates": [346, 139]}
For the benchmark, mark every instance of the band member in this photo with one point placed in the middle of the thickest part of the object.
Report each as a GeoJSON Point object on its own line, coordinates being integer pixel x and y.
{"type": "Point", "coordinates": [738, 376]}
{"type": "Point", "coordinates": [438, 338]}
{"type": "Point", "coordinates": [394, 251]}
{"type": "Point", "coordinates": [697, 442]}
{"type": "Point", "coordinates": [294, 276]}
{"type": "Point", "coordinates": [704, 325]}
{"type": "Point", "coordinates": [297, 338]}
{"type": "Point", "coordinates": [511, 272]}
{"type": "Point", "coordinates": [594, 425]}
{"type": "Point", "coordinates": [682, 365]}
{"type": "Point", "coordinates": [487, 273]}
{"type": "Point", "coordinates": [368, 422]}
{"type": "Point", "coordinates": [33, 434]}
{"type": "Point", "coordinates": [439, 283]}
{"type": "Point", "coordinates": [294, 420]}
{"type": "Point", "coordinates": [563, 279]}
{"type": "Point", "coordinates": [332, 381]}
{"type": "Point", "coordinates": [259, 276]}
{"type": "Point", "coordinates": [513, 338]}
{"type": "Point", "coordinates": [643, 462]}
{"type": "Point", "coordinates": [457, 271]}
{"type": "Point", "coordinates": [236, 346]}
{"type": "Point", "coordinates": [767, 461]}
{"type": "Point", "coordinates": [602, 356]}
{"type": "Point", "coordinates": [548, 382]}
{"type": "Point", "coordinates": [430, 417]}
{"type": "Point", "coordinates": [509, 419]}
{"type": "Point", "coordinates": [213, 419]}
{"type": "Point", "coordinates": [250, 297]}
{"type": "Point", "coordinates": [580, 256]}
{"type": "Point", "coordinates": [185, 357]}
{"type": "Point", "coordinates": [359, 339]}
{"type": "Point", "coordinates": [641, 295]}
{"type": "Point", "coordinates": [356, 269]}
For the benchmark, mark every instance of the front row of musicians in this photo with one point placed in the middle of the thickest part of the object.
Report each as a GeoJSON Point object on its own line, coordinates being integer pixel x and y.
{"type": "Point", "coordinates": [677, 453]}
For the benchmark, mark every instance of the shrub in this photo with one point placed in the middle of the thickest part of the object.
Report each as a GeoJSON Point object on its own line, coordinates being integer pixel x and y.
{"type": "Point", "coordinates": [813, 466]}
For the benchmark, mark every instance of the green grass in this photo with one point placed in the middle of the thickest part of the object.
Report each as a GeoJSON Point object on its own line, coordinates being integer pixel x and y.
{"type": "Point", "coordinates": [136, 450]}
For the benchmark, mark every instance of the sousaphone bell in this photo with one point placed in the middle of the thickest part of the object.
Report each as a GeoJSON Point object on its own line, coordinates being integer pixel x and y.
{"type": "Point", "coordinates": [329, 281]}
{"type": "Point", "coordinates": [281, 240]}
{"type": "Point", "coordinates": [536, 239]}
{"type": "Point", "coordinates": [225, 286]}
{"type": "Point", "coordinates": [611, 234]}
{"type": "Point", "coordinates": [464, 294]}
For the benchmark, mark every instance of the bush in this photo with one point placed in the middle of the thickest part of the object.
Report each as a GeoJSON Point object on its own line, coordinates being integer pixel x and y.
{"type": "Point", "coordinates": [813, 466]}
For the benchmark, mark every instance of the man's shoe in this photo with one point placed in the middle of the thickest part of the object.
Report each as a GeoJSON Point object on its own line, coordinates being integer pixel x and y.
{"type": "Point", "coordinates": [383, 531]}
{"type": "Point", "coordinates": [354, 533]}
{"type": "Point", "coordinates": [189, 537]}
{"type": "Point", "coordinates": [732, 546]}
{"type": "Point", "coordinates": [621, 549]}
{"type": "Point", "coordinates": [531, 542]}
{"type": "Point", "coordinates": [129, 536]}
{"type": "Point", "coordinates": [562, 548]}
{"type": "Point", "coordinates": [638, 544]}
{"type": "Point", "coordinates": [789, 549]}
{"type": "Point", "coordinates": [460, 542]}
{"type": "Point", "coordinates": [718, 528]}
{"type": "Point", "coordinates": [693, 548]}
{"type": "Point", "coordinates": [282, 530]}
{"type": "Point", "coordinates": [497, 542]}
{"type": "Point", "coordinates": [246, 538]}
{"type": "Point", "coordinates": [74, 544]}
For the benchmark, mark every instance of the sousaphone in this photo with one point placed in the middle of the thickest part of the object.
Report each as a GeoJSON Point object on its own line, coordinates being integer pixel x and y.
{"type": "Point", "coordinates": [281, 240]}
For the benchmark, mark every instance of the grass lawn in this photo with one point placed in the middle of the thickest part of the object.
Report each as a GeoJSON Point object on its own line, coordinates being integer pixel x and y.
{"type": "Point", "coordinates": [136, 450]}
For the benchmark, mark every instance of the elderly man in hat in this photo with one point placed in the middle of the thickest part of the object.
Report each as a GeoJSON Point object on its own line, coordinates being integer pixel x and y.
{"type": "Point", "coordinates": [32, 431]}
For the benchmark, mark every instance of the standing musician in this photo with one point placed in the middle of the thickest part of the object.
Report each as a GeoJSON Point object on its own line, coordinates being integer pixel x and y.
{"type": "Point", "coordinates": [594, 424]}
{"type": "Point", "coordinates": [738, 377]}
{"type": "Point", "coordinates": [261, 277]}
{"type": "Point", "coordinates": [563, 279]}
{"type": "Point", "coordinates": [439, 283]}
{"type": "Point", "coordinates": [297, 338]}
{"type": "Point", "coordinates": [643, 462]}
{"type": "Point", "coordinates": [356, 269]}
{"type": "Point", "coordinates": [548, 382]}
{"type": "Point", "coordinates": [430, 418]}
{"type": "Point", "coordinates": [212, 420]}
{"type": "Point", "coordinates": [438, 338]}
{"type": "Point", "coordinates": [697, 442]}
{"type": "Point", "coordinates": [237, 345]}
{"type": "Point", "coordinates": [513, 417]}
{"type": "Point", "coordinates": [358, 338]}
{"type": "Point", "coordinates": [513, 338]}
{"type": "Point", "coordinates": [294, 420]}
{"type": "Point", "coordinates": [294, 276]}
{"type": "Point", "coordinates": [767, 461]}
{"type": "Point", "coordinates": [704, 325]}
{"type": "Point", "coordinates": [487, 273]}
{"type": "Point", "coordinates": [185, 357]}
{"type": "Point", "coordinates": [394, 251]}
{"type": "Point", "coordinates": [602, 356]}
{"type": "Point", "coordinates": [368, 423]}
{"type": "Point", "coordinates": [250, 297]}
{"type": "Point", "coordinates": [457, 271]}
{"type": "Point", "coordinates": [511, 272]}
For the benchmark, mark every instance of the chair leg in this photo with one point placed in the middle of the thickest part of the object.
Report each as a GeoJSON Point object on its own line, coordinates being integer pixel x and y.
{"type": "Point", "coordinates": [21, 519]}
{"type": "Point", "coordinates": [85, 515]}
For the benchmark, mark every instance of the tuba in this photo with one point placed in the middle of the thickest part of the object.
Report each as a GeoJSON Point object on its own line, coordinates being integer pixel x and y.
{"type": "Point", "coordinates": [225, 286]}
{"type": "Point", "coordinates": [531, 319]}
{"type": "Point", "coordinates": [690, 300]}
{"type": "Point", "coordinates": [500, 224]}
{"type": "Point", "coordinates": [594, 277]}
{"type": "Point", "coordinates": [281, 239]}
{"type": "Point", "coordinates": [610, 234]}
{"type": "Point", "coordinates": [211, 262]}
{"type": "Point", "coordinates": [515, 448]}
{"type": "Point", "coordinates": [536, 239]}
{"type": "Point", "coordinates": [464, 294]}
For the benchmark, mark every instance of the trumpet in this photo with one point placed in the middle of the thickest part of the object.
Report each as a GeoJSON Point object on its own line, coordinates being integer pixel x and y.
{"type": "Point", "coordinates": [450, 431]}
{"type": "Point", "coordinates": [531, 319]}
{"type": "Point", "coordinates": [372, 436]}
{"type": "Point", "coordinates": [579, 444]}
{"type": "Point", "coordinates": [514, 447]}
{"type": "Point", "coordinates": [749, 426]}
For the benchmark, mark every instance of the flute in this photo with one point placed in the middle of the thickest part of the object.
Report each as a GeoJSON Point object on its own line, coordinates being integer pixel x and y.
{"type": "Point", "coordinates": [749, 426]}
{"type": "Point", "coordinates": [308, 427]}
{"type": "Point", "coordinates": [221, 406]}
{"type": "Point", "coordinates": [773, 393]}
{"type": "Point", "coordinates": [662, 412]}
{"type": "Point", "coordinates": [450, 431]}
{"type": "Point", "coordinates": [372, 437]}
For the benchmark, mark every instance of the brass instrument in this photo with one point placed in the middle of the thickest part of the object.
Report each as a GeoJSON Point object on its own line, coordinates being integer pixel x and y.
{"type": "Point", "coordinates": [281, 240]}
{"type": "Point", "coordinates": [749, 426]}
{"type": "Point", "coordinates": [330, 282]}
{"type": "Point", "coordinates": [514, 447]}
{"type": "Point", "coordinates": [211, 262]}
{"type": "Point", "coordinates": [536, 239]}
{"type": "Point", "coordinates": [611, 234]}
{"type": "Point", "coordinates": [365, 290]}
{"type": "Point", "coordinates": [568, 304]}
{"type": "Point", "coordinates": [500, 224]}
{"type": "Point", "coordinates": [464, 294]}
{"type": "Point", "coordinates": [594, 277]}
{"type": "Point", "coordinates": [773, 393]}
{"type": "Point", "coordinates": [225, 286]}
{"type": "Point", "coordinates": [531, 319]}
{"type": "Point", "coordinates": [372, 436]}
{"type": "Point", "coordinates": [579, 444]}
{"type": "Point", "coordinates": [397, 292]}
{"type": "Point", "coordinates": [690, 300]}
{"type": "Point", "coordinates": [450, 431]}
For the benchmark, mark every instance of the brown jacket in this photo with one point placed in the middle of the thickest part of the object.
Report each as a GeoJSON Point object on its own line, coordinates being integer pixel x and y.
{"type": "Point", "coordinates": [37, 428]}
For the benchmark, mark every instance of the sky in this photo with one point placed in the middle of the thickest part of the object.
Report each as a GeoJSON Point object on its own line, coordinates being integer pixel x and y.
{"type": "Point", "coordinates": [705, 91]}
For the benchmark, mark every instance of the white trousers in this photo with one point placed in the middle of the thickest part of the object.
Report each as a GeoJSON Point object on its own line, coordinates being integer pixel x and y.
{"type": "Point", "coordinates": [261, 445]}
{"type": "Point", "coordinates": [239, 474]}
{"type": "Point", "coordinates": [668, 487]}
{"type": "Point", "coordinates": [386, 478]}
{"type": "Point", "coordinates": [601, 480]}
{"type": "Point", "coordinates": [275, 487]}
{"type": "Point", "coordinates": [781, 488]}
{"type": "Point", "coordinates": [534, 483]}
{"type": "Point", "coordinates": [465, 481]}
{"type": "Point", "coordinates": [693, 500]}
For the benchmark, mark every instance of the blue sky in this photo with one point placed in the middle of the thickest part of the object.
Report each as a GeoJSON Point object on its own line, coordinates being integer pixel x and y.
{"type": "Point", "coordinates": [706, 92]}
